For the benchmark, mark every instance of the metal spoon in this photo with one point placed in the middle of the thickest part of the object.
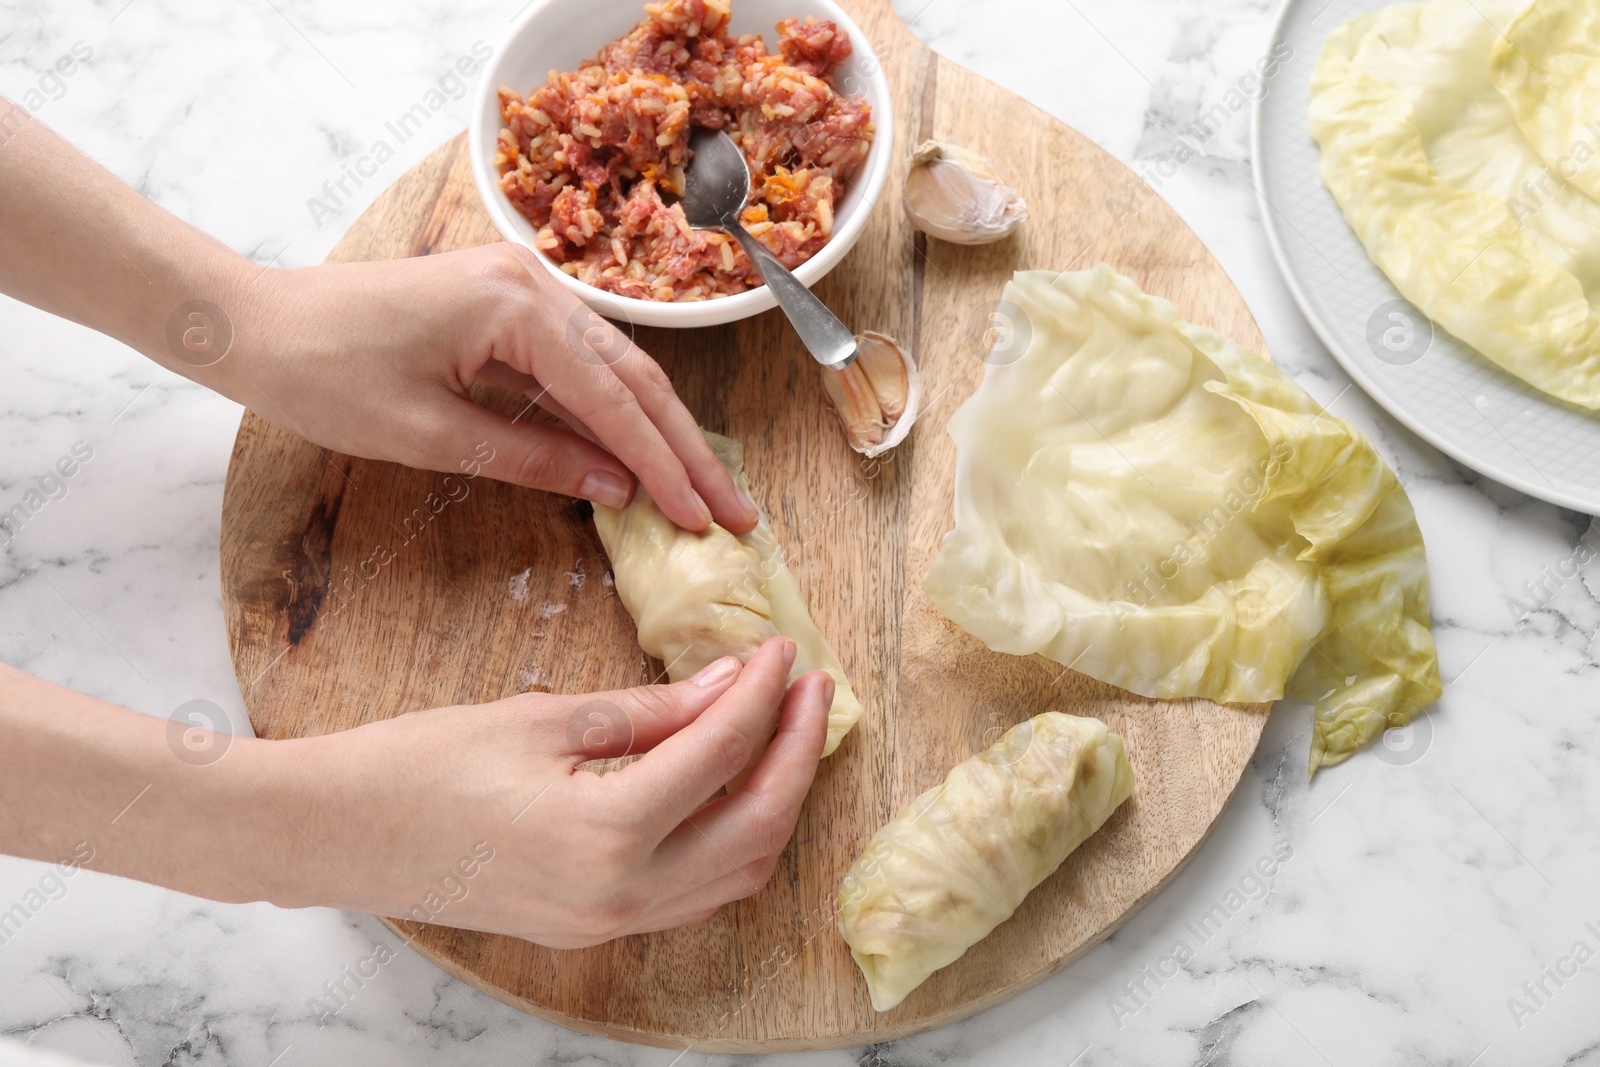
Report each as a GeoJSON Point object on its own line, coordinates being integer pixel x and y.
{"type": "Point", "coordinates": [715, 188]}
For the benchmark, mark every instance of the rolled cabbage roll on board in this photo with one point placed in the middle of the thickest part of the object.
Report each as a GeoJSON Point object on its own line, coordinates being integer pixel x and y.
{"type": "Point", "coordinates": [698, 597]}
{"type": "Point", "coordinates": [959, 860]}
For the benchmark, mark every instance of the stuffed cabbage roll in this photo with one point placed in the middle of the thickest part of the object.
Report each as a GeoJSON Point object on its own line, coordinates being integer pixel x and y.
{"type": "Point", "coordinates": [956, 863]}
{"type": "Point", "coordinates": [699, 597]}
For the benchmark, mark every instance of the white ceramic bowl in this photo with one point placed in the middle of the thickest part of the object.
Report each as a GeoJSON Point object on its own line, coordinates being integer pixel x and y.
{"type": "Point", "coordinates": [561, 34]}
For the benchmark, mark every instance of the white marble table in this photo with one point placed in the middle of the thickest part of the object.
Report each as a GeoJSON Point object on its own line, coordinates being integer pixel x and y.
{"type": "Point", "coordinates": [1420, 892]}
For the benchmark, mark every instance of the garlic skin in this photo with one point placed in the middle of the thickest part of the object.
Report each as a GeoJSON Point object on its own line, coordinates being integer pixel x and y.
{"type": "Point", "coordinates": [956, 195]}
{"type": "Point", "coordinates": [877, 396]}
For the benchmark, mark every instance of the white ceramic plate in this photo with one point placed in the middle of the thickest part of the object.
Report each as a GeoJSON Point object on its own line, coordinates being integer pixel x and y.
{"type": "Point", "coordinates": [560, 34]}
{"type": "Point", "coordinates": [1439, 387]}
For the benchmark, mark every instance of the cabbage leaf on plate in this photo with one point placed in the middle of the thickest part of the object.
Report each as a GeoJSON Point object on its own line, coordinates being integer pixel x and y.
{"type": "Point", "coordinates": [1146, 502]}
{"type": "Point", "coordinates": [1426, 158]}
{"type": "Point", "coordinates": [1547, 67]}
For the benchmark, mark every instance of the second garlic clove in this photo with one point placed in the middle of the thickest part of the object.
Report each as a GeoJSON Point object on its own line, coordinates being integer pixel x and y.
{"type": "Point", "coordinates": [857, 405]}
{"type": "Point", "coordinates": [886, 368]}
{"type": "Point", "coordinates": [877, 396]}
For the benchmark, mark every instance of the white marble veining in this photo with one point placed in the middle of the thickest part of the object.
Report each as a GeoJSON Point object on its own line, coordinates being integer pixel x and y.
{"type": "Point", "coordinates": [1411, 897]}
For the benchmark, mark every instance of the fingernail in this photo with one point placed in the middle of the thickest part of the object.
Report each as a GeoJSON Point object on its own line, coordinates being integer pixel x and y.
{"type": "Point", "coordinates": [607, 489]}
{"type": "Point", "coordinates": [705, 512]}
{"type": "Point", "coordinates": [827, 693]}
{"type": "Point", "coordinates": [788, 654]}
{"type": "Point", "coordinates": [750, 508]}
{"type": "Point", "coordinates": [716, 672]}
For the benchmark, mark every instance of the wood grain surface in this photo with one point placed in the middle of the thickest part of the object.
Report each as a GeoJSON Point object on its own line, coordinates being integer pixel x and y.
{"type": "Point", "coordinates": [481, 597]}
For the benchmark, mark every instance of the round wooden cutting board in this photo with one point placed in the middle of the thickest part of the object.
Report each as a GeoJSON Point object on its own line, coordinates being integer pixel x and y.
{"type": "Point", "coordinates": [483, 598]}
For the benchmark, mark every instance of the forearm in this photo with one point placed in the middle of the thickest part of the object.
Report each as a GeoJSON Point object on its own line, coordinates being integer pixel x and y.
{"type": "Point", "coordinates": [90, 783]}
{"type": "Point", "coordinates": [78, 242]}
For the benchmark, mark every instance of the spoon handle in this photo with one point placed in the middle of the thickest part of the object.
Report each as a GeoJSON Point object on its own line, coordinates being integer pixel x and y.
{"type": "Point", "coordinates": [828, 340]}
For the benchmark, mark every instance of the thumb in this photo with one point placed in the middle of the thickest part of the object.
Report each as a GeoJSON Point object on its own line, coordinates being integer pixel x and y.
{"type": "Point", "coordinates": [625, 721]}
{"type": "Point", "coordinates": [541, 456]}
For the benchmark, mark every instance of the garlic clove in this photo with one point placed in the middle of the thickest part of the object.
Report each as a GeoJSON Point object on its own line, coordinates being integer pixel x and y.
{"type": "Point", "coordinates": [881, 360]}
{"type": "Point", "coordinates": [877, 396]}
{"type": "Point", "coordinates": [956, 195]}
{"type": "Point", "coordinates": [853, 398]}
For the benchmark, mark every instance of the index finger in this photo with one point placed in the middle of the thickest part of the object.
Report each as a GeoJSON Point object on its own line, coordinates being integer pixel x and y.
{"type": "Point", "coordinates": [595, 395]}
{"type": "Point", "coordinates": [756, 822]}
{"type": "Point", "coordinates": [674, 779]}
{"type": "Point", "coordinates": [728, 503]}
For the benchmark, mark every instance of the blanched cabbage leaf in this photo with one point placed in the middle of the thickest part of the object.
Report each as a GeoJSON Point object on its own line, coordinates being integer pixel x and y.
{"type": "Point", "coordinates": [699, 597]}
{"type": "Point", "coordinates": [959, 860]}
{"type": "Point", "coordinates": [1144, 501]}
{"type": "Point", "coordinates": [1547, 67]}
{"type": "Point", "coordinates": [1427, 161]}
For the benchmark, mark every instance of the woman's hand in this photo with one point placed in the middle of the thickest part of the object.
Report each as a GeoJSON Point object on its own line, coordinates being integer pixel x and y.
{"type": "Point", "coordinates": [377, 359]}
{"type": "Point", "coordinates": [477, 816]}
{"type": "Point", "coordinates": [470, 816]}
{"type": "Point", "coordinates": [371, 359]}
